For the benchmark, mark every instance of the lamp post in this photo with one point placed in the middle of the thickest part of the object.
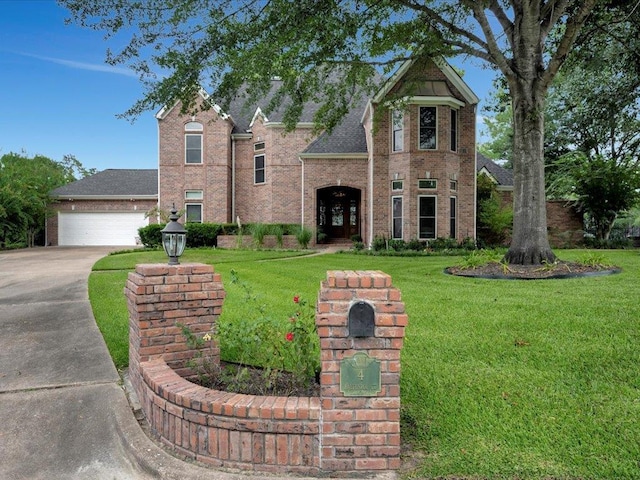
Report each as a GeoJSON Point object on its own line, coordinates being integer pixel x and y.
{"type": "Point", "coordinates": [174, 238]}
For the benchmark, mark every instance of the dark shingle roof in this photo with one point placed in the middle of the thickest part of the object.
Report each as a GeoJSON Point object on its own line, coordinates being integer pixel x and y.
{"type": "Point", "coordinates": [503, 176]}
{"type": "Point", "coordinates": [347, 137]}
{"type": "Point", "coordinates": [112, 182]}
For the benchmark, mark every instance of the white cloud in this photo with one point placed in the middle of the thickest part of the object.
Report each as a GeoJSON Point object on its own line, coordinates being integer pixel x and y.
{"type": "Point", "coordinates": [94, 67]}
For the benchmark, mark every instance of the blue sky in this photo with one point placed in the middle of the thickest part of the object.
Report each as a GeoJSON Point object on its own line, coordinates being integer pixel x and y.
{"type": "Point", "coordinates": [57, 96]}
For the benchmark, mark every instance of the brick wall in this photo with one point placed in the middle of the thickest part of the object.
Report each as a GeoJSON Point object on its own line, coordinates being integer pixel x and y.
{"type": "Point", "coordinates": [336, 432]}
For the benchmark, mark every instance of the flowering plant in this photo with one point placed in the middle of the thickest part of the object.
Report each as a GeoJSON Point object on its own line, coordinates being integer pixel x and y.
{"type": "Point", "coordinates": [303, 348]}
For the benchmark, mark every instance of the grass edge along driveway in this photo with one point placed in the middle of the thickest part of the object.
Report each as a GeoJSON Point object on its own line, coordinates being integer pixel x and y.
{"type": "Point", "coordinates": [500, 379]}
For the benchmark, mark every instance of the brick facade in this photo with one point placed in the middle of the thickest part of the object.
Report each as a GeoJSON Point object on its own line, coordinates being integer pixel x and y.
{"type": "Point", "coordinates": [293, 179]}
{"type": "Point", "coordinates": [335, 432]}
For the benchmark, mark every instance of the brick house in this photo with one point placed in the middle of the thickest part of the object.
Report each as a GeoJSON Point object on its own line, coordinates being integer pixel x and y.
{"type": "Point", "coordinates": [409, 175]}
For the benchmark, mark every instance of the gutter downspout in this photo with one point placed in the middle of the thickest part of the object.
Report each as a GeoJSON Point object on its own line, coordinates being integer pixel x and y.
{"type": "Point", "coordinates": [371, 149]}
{"type": "Point", "coordinates": [233, 178]}
{"type": "Point", "coordinates": [302, 193]}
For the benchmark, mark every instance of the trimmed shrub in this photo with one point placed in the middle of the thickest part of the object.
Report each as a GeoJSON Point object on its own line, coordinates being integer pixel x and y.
{"type": "Point", "coordinates": [151, 235]}
{"type": "Point", "coordinates": [202, 234]}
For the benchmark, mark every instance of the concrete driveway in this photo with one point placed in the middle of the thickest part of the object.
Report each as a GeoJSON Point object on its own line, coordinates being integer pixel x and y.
{"type": "Point", "coordinates": [63, 412]}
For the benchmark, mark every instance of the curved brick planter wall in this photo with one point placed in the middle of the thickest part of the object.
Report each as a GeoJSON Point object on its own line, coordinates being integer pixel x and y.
{"type": "Point", "coordinates": [336, 432]}
{"type": "Point", "coordinates": [269, 434]}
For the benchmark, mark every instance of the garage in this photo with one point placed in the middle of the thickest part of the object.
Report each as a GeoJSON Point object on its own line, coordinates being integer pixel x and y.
{"type": "Point", "coordinates": [99, 228]}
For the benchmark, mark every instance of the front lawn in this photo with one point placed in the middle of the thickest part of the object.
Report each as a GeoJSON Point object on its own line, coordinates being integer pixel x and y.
{"type": "Point", "coordinates": [503, 379]}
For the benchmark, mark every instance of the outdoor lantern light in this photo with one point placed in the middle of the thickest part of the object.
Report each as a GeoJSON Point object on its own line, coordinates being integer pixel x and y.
{"type": "Point", "coordinates": [174, 238]}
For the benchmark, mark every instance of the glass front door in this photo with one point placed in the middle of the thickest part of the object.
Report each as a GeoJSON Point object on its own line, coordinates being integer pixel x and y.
{"type": "Point", "coordinates": [339, 212]}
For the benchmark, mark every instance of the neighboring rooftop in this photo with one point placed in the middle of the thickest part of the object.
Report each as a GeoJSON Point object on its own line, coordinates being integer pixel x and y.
{"type": "Point", "coordinates": [131, 183]}
{"type": "Point", "coordinates": [502, 176]}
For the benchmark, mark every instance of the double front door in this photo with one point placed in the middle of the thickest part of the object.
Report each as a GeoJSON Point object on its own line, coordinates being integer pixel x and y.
{"type": "Point", "coordinates": [339, 212]}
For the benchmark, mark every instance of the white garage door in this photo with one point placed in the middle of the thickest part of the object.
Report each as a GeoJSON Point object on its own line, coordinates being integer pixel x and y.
{"type": "Point", "coordinates": [99, 228]}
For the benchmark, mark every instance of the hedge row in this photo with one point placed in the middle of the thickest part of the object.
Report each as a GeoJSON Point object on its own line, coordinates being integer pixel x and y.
{"type": "Point", "coordinates": [206, 234]}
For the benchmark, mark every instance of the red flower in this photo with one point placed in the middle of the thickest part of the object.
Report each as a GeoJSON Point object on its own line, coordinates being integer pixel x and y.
{"type": "Point", "coordinates": [289, 336]}
{"type": "Point", "coordinates": [296, 299]}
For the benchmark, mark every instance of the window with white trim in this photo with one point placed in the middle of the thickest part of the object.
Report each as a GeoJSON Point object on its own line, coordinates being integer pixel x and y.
{"type": "Point", "coordinates": [428, 134]}
{"type": "Point", "coordinates": [453, 217]}
{"type": "Point", "coordinates": [193, 127]}
{"type": "Point", "coordinates": [454, 130]}
{"type": "Point", "coordinates": [193, 148]}
{"type": "Point", "coordinates": [397, 130]}
{"type": "Point", "coordinates": [258, 146]}
{"type": "Point", "coordinates": [427, 183]}
{"type": "Point", "coordinates": [259, 169]}
{"type": "Point", "coordinates": [427, 207]}
{"type": "Point", "coordinates": [193, 195]}
{"type": "Point", "coordinates": [396, 217]}
{"type": "Point", "coordinates": [193, 212]}
{"type": "Point", "coordinates": [397, 185]}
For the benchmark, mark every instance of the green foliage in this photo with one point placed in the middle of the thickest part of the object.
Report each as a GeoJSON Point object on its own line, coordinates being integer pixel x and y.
{"type": "Point", "coordinates": [495, 220]}
{"type": "Point", "coordinates": [304, 236]}
{"type": "Point", "coordinates": [379, 243]}
{"type": "Point", "coordinates": [601, 187]}
{"type": "Point", "coordinates": [201, 234]}
{"type": "Point", "coordinates": [151, 235]}
{"type": "Point", "coordinates": [25, 183]}
{"type": "Point", "coordinates": [269, 340]}
{"type": "Point", "coordinates": [259, 231]}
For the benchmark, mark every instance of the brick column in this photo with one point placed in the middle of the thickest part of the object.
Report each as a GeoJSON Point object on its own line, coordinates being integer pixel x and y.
{"type": "Point", "coordinates": [160, 296]}
{"type": "Point", "coordinates": [360, 433]}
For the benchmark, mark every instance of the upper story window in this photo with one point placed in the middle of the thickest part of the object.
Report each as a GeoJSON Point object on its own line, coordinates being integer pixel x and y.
{"type": "Point", "coordinates": [258, 146]}
{"type": "Point", "coordinates": [397, 130]}
{"type": "Point", "coordinates": [193, 148]}
{"type": "Point", "coordinates": [258, 169]}
{"type": "Point", "coordinates": [454, 130]}
{"type": "Point", "coordinates": [428, 128]}
{"type": "Point", "coordinates": [193, 142]}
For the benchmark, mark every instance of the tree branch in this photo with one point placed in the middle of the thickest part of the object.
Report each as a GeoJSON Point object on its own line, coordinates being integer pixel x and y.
{"type": "Point", "coordinates": [495, 52]}
{"type": "Point", "coordinates": [435, 16]}
{"type": "Point", "coordinates": [574, 24]}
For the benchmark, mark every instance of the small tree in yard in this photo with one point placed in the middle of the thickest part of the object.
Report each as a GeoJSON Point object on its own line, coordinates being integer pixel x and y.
{"type": "Point", "coordinates": [310, 44]}
{"type": "Point", "coordinates": [601, 188]}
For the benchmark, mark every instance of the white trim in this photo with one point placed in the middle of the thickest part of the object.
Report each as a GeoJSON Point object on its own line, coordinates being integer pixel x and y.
{"type": "Point", "coordinates": [164, 111]}
{"type": "Point", "coordinates": [282, 125]}
{"type": "Point", "coordinates": [436, 101]}
{"type": "Point", "coordinates": [435, 232]}
{"type": "Point", "coordinates": [258, 114]}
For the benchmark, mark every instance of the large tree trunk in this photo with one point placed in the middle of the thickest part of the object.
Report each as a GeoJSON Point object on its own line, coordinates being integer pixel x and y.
{"type": "Point", "coordinates": [528, 88]}
{"type": "Point", "coordinates": [529, 244]}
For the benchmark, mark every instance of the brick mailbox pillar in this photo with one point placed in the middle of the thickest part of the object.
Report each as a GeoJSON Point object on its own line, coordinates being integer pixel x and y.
{"type": "Point", "coordinates": [161, 296]}
{"type": "Point", "coordinates": [361, 321]}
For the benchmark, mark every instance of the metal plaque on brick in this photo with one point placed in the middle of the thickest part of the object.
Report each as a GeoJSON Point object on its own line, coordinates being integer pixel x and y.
{"type": "Point", "coordinates": [360, 376]}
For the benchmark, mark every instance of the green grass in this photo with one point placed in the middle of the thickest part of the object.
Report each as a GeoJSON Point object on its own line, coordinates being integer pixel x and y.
{"type": "Point", "coordinates": [501, 379]}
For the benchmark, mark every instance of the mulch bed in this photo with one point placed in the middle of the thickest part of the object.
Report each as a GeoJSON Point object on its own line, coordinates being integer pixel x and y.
{"type": "Point", "coordinates": [496, 270]}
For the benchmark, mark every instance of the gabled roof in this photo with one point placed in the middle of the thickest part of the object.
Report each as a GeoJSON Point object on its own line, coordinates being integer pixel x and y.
{"type": "Point", "coordinates": [112, 183]}
{"type": "Point", "coordinates": [503, 177]}
{"type": "Point", "coordinates": [444, 66]}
